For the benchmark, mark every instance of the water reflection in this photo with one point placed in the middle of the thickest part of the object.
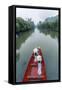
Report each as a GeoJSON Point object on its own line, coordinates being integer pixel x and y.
{"type": "Point", "coordinates": [49, 45]}
{"type": "Point", "coordinates": [53, 34]}
{"type": "Point", "coordinates": [22, 37]}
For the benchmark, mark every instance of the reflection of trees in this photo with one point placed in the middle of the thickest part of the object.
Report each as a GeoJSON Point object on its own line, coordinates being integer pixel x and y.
{"type": "Point", "coordinates": [53, 34]}
{"type": "Point", "coordinates": [22, 37]}
{"type": "Point", "coordinates": [51, 23]}
{"type": "Point", "coordinates": [23, 30]}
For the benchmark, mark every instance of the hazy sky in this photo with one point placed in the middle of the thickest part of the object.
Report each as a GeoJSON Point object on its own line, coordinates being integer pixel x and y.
{"type": "Point", "coordinates": [35, 14]}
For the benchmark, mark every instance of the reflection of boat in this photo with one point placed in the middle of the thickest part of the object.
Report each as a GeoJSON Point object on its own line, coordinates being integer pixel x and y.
{"type": "Point", "coordinates": [31, 71]}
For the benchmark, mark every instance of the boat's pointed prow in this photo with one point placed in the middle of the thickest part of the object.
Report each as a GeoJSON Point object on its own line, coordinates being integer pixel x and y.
{"type": "Point", "coordinates": [35, 70]}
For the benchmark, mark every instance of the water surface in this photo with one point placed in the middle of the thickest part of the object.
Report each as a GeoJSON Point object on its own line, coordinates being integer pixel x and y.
{"type": "Point", "coordinates": [48, 41]}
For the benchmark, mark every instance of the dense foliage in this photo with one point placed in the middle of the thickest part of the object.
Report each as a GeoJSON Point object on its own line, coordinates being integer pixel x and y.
{"type": "Point", "coordinates": [23, 25]}
{"type": "Point", "coordinates": [49, 23]}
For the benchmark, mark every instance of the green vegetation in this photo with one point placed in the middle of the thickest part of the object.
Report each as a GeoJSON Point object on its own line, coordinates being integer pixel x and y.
{"type": "Point", "coordinates": [50, 23]}
{"type": "Point", "coordinates": [23, 25]}
{"type": "Point", "coordinates": [24, 28]}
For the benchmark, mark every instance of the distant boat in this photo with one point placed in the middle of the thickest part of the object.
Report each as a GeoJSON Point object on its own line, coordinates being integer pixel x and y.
{"type": "Point", "coordinates": [32, 69]}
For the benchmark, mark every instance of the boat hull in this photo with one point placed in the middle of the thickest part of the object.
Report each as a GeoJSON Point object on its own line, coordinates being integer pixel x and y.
{"type": "Point", "coordinates": [31, 73]}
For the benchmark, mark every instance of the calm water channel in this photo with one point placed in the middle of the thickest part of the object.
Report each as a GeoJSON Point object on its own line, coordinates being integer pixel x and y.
{"type": "Point", "coordinates": [48, 41]}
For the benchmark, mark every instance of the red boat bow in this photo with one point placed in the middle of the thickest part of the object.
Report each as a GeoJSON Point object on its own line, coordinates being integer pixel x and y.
{"type": "Point", "coordinates": [32, 69]}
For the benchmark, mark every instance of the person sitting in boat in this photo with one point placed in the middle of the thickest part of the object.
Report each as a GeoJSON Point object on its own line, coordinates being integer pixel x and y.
{"type": "Point", "coordinates": [35, 51]}
{"type": "Point", "coordinates": [39, 59]}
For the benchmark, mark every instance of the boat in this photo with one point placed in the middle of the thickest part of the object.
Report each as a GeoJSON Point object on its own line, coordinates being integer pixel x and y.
{"type": "Point", "coordinates": [32, 67]}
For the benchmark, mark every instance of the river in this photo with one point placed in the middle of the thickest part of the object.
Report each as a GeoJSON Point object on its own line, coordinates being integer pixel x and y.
{"type": "Point", "coordinates": [48, 41]}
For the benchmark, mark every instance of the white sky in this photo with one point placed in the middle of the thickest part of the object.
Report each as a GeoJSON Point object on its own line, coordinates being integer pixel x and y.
{"type": "Point", "coordinates": [35, 14]}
